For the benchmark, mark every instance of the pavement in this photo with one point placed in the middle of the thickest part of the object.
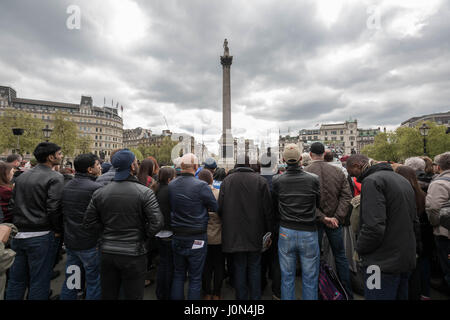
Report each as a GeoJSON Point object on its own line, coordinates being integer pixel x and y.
{"type": "Point", "coordinates": [227, 290]}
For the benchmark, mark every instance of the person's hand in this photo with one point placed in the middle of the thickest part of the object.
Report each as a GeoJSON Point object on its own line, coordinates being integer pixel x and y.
{"type": "Point", "coordinates": [57, 235]}
{"type": "Point", "coordinates": [334, 223]}
{"type": "Point", "coordinates": [327, 222]}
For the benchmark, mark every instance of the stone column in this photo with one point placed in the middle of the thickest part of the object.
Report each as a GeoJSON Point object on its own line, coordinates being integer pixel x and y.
{"type": "Point", "coordinates": [227, 142]}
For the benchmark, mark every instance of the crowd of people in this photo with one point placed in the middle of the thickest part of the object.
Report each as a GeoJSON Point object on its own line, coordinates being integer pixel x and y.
{"type": "Point", "coordinates": [203, 224]}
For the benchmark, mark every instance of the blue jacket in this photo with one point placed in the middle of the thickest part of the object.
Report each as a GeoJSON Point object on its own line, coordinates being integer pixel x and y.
{"type": "Point", "coordinates": [190, 201]}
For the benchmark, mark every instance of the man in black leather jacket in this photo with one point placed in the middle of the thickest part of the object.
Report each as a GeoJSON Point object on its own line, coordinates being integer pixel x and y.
{"type": "Point", "coordinates": [125, 213]}
{"type": "Point", "coordinates": [81, 245]}
{"type": "Point", "coordinates": [36, 210]}
{"type": "Point", "coordinates": [296, 195]}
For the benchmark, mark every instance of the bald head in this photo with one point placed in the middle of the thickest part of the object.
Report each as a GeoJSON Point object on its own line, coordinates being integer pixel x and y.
{"type": "Point", "coordinates": [189, 163]}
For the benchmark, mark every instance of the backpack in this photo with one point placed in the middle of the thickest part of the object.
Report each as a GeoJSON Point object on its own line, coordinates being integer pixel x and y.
{"type": "Point", "coordinates": [330, 288]}
{"type": "Point", "coordinates": [444, 216]}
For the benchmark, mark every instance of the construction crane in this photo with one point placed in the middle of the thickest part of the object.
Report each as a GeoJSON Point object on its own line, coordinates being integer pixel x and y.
{"type": "Point", "coordinates": [165, 120]}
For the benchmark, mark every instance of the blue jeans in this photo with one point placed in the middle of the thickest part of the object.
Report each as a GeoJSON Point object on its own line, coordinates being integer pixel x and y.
{"type": "Point", "coordinates": [165, 269]}
{"type": "Point", "coordinates": [188, 260]}
{"type": "Point", "coordinates": [247, 275]}
{"type": "Point", "coordinates": [32, 267]}
{"type": "Point", "coordinates": [392, 287]}
{"type": "Point", "coordinates": [89, 260]}
{"type": "Point", "coordinates": [306, 245]}
{"type": "Point", "coordinates": [336, 240]}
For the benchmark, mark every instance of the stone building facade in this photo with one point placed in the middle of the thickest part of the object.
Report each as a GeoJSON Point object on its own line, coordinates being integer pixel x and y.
{"type": "Point", "coordinates": [440, 119]}
{"type": "Point", "coordinates": [102, 124]}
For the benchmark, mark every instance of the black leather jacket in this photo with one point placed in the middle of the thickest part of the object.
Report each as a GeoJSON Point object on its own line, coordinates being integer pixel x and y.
{"type": "Point", "coordinates": [296, 195]}
{"type": "Point", "coordinates": [76, 196]}
{"type": "Point", "coordinates": [126, 214]}
{"type": "Point", "coordinates": [36, 200]}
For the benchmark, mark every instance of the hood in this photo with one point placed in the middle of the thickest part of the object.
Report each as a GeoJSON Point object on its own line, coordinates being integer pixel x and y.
{"type": "Point", "coordinates": [373, 169]}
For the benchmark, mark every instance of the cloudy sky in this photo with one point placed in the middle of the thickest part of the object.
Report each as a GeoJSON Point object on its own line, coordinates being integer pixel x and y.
{"type": "Point", "coordinates": [296, 63]}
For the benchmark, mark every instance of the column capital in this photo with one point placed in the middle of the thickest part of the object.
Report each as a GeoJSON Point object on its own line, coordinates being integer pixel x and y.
{"type": "Point", "coordinates": [226, 61]}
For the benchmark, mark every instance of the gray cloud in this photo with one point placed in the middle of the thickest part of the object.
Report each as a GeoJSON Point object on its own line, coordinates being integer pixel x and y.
{"type": "Point", "coordinates": [289, 68]}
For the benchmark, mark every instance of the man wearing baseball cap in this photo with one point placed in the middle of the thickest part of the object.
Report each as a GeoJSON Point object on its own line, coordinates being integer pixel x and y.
{"type": "Point", "coordinates": [296, 196]}
{"type": "Point", "coordinates": [125, 213]}
{"type": "Point", "coordinates": [335, 197]}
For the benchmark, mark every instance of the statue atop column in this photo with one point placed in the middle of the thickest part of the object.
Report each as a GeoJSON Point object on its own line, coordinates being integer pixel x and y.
{"type": "Point", "coordinates": [226, 51]}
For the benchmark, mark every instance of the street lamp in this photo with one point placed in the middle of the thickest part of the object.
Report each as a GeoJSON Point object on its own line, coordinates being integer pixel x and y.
{"type": "Point", "coordinates": [18, 132]}
{"type": "Point", "coordinates": [47, 132]}
{"type": "Point", "coordinates": [424, 132]}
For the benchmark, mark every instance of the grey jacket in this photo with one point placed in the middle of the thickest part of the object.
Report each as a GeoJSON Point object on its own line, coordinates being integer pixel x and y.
{"type": "Point", "coordinates": [438, 194]}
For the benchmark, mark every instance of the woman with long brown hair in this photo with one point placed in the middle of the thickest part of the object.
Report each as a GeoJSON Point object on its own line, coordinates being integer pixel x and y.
{"type": "Point", "coordinates": [156, 168]}
{"type": "Point", "coordinates": [146, 171]}
{"type": "Point", "coordinates": [6, 176]}
{"type": "Point", "coordinates": [419, 283]}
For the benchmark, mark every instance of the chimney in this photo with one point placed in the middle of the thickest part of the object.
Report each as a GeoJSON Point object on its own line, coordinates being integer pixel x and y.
{"type": "Point", "coordinates": [384, 129]}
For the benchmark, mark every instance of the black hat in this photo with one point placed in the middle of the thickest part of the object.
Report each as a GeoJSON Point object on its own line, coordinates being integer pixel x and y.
{"type": "Point", "coordinates": [317, 148]}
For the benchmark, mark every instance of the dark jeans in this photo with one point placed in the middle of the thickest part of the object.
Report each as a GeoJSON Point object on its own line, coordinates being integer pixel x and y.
{"type": "Point", "coordinates": [165, 269]}
{"type": "Point", "coordinates": [443, 251]}
{"type": "Point", "coordinates": [392, 287]}
{"type": "Point", "coordinates": [123, 271]}
{"type": "Point", "coordinates": [336, 240]}
{"type": "Point", "coordinates": [192, 261]}
{"type": "Point", "coordinates": [424, 266]}
{"type": "Point", "coordinates": [275, 272]}
{"type": "Point", "coordinates": [214, 265]}
{"type": "Point", "coordinates": [32, 267]}
{"type": "Point", "coordinates": [89, 261]}
{"type": "Point", "coordinates": [247, 275]}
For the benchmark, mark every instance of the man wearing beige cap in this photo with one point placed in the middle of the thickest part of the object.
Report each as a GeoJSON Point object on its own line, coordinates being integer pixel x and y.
{"type": "Point", "coordinates": [296, 195]}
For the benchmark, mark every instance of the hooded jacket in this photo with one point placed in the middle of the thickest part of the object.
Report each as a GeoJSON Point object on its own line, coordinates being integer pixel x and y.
{"type": "Point", "coordinates": [387, 217]}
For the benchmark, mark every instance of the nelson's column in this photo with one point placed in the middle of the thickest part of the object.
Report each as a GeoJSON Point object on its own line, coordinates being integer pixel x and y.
{"type": "Point", "coordinates": [226, 142]}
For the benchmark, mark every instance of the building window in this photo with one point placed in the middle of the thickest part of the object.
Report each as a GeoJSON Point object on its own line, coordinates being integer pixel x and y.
{"type": "Point", "coordinates": [342, 138]}
{"type": "Point", "coordinates": [342, 131]}
{"type": "Point", "coordinates": [351, 143]}
{"type": "Point", "coordinates": [333, 132]}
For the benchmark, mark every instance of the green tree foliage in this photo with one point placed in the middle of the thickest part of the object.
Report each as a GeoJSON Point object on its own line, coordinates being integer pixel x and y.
{"type": "Point", "coordinates": [137, 153]}
{"type": "Point", "coordinates": [437, 141]}
{"type": "Point", "coordinates": [65, 134]}
{"type": "Point", "coordinates": [407, 142]}
{"type": "Point", "coordinates": [31, 137]}
{"type": "Point", "coordinates": [162, 153]}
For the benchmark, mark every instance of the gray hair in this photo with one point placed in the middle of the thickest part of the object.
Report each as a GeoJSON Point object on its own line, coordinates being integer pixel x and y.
{"type": "Point", "coordinates": [444, 161]}
{"type": "Point", "coordinates": [306, 159]}
{"type": "Point", "coordinates": [415, 163]}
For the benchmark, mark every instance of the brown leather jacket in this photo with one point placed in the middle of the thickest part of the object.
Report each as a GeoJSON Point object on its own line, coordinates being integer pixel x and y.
{"type": "Point", "coordinates": [335, 193]}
